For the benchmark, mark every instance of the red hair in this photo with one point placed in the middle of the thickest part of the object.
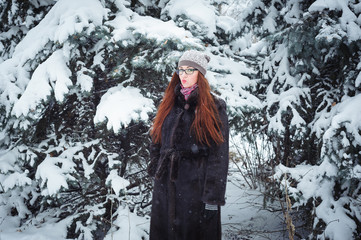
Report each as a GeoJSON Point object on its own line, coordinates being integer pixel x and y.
{"type": "Point", "coordinates": [206, 124]}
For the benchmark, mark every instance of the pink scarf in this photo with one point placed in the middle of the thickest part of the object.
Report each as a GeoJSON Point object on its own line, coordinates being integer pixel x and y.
{"type": "Point", "coordinates": [187, 91]}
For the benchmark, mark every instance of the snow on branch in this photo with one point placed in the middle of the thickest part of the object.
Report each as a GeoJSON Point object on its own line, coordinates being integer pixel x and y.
{"type": "Point", "coordinates": [206, 18]}
{"type": "Point", "coordinates": [312, 183]}
{"type": "Point", "coordinates": [7, 161]}
{"type": "Point", "coordinates": [53, 74]}
{"type": "Point", "coordinates": [54, 172]}
{"type": "Point", "coordinates": [16, 179]}
{"type": "Point", "coordinates": [117, 182]}
{"type": "Point", "coordinates": [230, 79]}
{"type": "Point", "coordinates": [349, 22]}
{"type": "Point", "coordinates": [347, 113]}
{"type": "Point", "coordinates": [66, 18]}
{"type": "Point", "coordinates": [127, 25]}
{"type": "Point", "coordinates": [120, 105]}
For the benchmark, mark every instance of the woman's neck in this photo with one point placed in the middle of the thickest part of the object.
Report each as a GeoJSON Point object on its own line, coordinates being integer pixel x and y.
{"type": "Point", "coordinates": [187, 91]}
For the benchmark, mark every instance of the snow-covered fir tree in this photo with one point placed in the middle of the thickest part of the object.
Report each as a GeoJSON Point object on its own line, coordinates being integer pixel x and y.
{"type": "Point", "coordinates": [79, 85]}
{"type": "Point", "coordinates": [310, 85]}
{"type": "Point", "coordinates": [80, 82]}
{"type": "Point", "coordinates": [17, 17]}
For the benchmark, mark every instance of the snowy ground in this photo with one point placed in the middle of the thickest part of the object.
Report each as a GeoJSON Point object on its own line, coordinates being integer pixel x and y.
{"type": "Point", "coordinates": [243, 218]}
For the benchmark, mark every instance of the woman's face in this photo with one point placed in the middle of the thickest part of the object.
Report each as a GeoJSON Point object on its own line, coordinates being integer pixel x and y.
{"type": "Point", "coordinates": [187, 80]}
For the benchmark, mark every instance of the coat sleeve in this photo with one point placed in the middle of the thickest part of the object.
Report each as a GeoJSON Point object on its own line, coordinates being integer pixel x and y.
{"type": "Point", "coordinates": [217, 164]}
{"type": "Point", "coordinates": [154, 150]}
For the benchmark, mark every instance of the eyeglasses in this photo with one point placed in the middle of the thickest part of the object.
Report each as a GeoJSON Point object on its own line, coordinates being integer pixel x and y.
{"type": "Point", "coordinates": [188, 71]}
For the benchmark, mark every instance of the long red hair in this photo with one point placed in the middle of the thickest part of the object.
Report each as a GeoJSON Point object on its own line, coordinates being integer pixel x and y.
{"type": "Point", "coordinates": [206, 124]}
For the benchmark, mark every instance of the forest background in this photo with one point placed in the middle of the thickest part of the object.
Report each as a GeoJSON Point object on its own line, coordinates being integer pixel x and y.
{"type": "Point", "coordinates": [80, 81]}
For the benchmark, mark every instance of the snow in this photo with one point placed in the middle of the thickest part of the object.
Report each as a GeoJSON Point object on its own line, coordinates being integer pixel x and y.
{"type": "Point", "coordinates": [10, 91]}
{"type": "Point", "coordinates": [130, 226]}
{"type": "Point", "coordinates": [256, 48]}
{"type": "Point", "coordinates": [16, 179]}
{"type": "Point", "coordinates": [52, 228]}
{"type": "Point", "coordinates": [232, 85]}
{"type": "Point", "coordinates": [53, 175]}
{"type": "Point", "coordinates": [347, 113]}
{"type": "Point", "coordinates": [118, 183]}
{"type": "Point", "coordinates": [226, 23]}
{"type": "Point", "coordinates": [7, 161]}
{"type": "Point", "coordinates": [309, 177]}
{"type": "Point", "coordinates": [293, 15]}
{"type": "Point", "coordinates": [127, 25]}
{"type": "Point", "coordinates": [120, 105]}
{"type": "Point", "coordinates": [349, 21]}
{"type": "Point", "coordinates": [320, 5]}
{"type": "Point", "coordinates": [330, 33]}
{"type": "Point", "coordinates": [27, 81]}
{"type": "Point", "coordinates": [312, 184]}
{"type": "Point", "coordinates": [358, 79]}
{"type": "Point", "coordinates": [54, 75]}
{"type": "Point", "coordinates": [199, 11]}
{"type": "Point", "coordinates": [85, 82]}
{"type": "Point", "coordinates": [339, 226]}
{"type": "Point", "coordinates": [289, 97]}
{"type": "Point", "coordinates": [244, 214]}
{"type": "Point", "coordinates": [354, 31]}
{"type": "Point", "coordinates": [242, 44]}
{"type": "Point", "coordinates": [269, 22]}
{"type": "Point", "coordinates": [65, 18]}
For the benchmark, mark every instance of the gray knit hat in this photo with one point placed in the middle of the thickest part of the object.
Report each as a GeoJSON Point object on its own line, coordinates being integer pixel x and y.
{"type": "Point", "coordinates": [196, 59]}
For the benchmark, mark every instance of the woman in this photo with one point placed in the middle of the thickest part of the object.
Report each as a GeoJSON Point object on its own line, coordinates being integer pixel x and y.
{"type": "Point", "coordinates": [189, 156]}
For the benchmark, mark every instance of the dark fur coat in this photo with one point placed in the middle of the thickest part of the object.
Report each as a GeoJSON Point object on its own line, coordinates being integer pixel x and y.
{"type": "Point", "coordinates": [187, 175]}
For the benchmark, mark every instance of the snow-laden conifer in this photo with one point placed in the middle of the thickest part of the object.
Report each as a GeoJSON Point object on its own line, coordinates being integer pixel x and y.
{"type": "Point", "coordinates": [79, 86]}
{"type": "Point", "coordinates": [309, 84]}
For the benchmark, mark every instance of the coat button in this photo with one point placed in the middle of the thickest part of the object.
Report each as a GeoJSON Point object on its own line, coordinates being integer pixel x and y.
{"type": "Point", "coordinates": [186, 107]}
{"type": "Point", "coordinates": [194, 149]}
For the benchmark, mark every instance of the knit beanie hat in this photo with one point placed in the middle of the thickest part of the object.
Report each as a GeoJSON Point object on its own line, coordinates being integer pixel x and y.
{"type": "Point", "coordinates": [195, 59]}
